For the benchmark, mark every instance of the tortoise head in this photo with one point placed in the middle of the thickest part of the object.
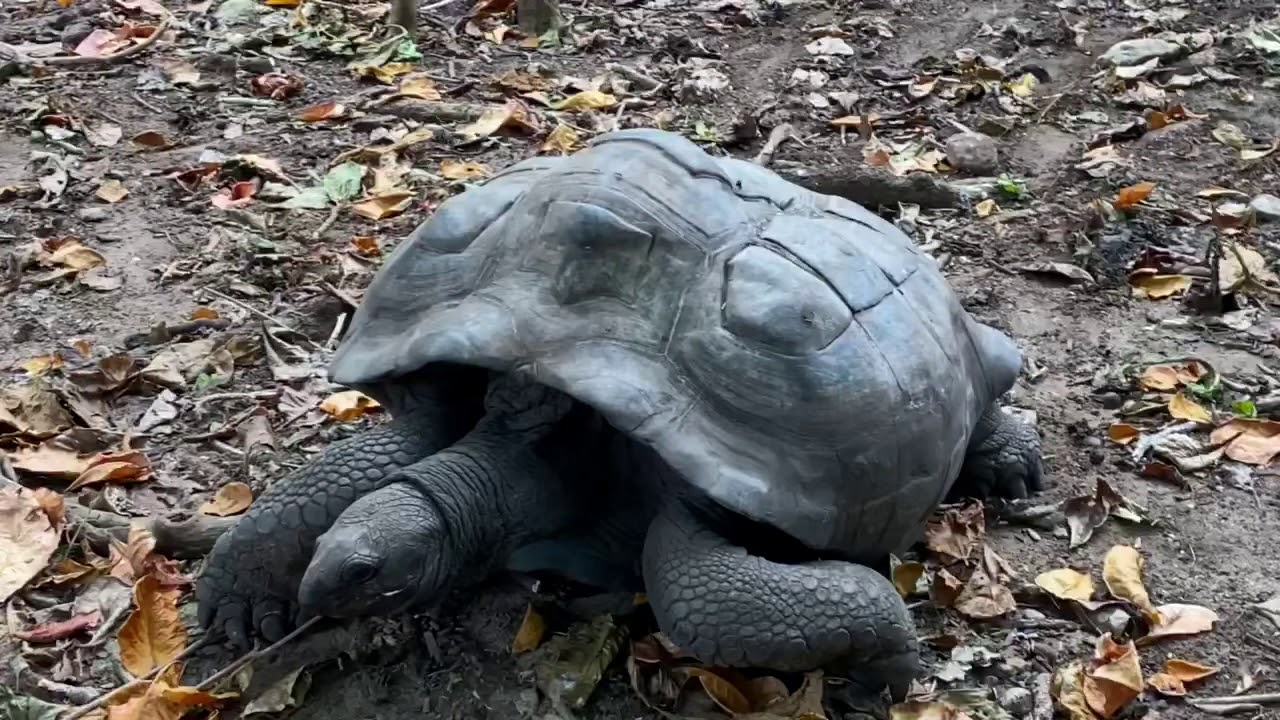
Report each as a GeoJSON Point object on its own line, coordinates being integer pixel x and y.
{"type": "Point", "coordinates": [387, 550]}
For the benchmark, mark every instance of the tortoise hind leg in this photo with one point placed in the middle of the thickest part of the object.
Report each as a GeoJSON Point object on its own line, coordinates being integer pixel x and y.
{"type": "Point", "coordinates": [1003, 459]}
{"type": "Point", "coordinates": [726, 606]}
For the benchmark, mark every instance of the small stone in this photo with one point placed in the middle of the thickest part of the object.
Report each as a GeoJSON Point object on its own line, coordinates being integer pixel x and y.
{"type": "Point", "coordinates": [1018, 701]}
{"type": "Point", "coordinates": [93, 214]}
{"type": "Point", "coordinates": [1097, 457]}
{"type": "Point", "coordinates": [75, 32]}
{"type": "Point", "coordinates": [1140, 50]}
{"type": "Point", "coordinates": [1111, 400]}
{"type": "Point", "coordinates": [1266, 206]}
{"type": "Point", "coordinates": [704, 85]}
{"type": "Point", "coordinates": [973, 153]}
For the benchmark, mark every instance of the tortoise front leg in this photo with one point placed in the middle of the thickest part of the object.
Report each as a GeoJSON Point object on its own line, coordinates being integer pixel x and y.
{"type": "Point", "coordinates": [1003, 459]}
{"type": "Point", "coordinates": [728, 607]}
{"type": "Point", "coordinates": [250, 582]}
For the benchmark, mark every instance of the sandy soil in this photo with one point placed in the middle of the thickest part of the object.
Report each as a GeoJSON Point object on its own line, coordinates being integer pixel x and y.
{"type": "Point", "coordinates": [166, 245]}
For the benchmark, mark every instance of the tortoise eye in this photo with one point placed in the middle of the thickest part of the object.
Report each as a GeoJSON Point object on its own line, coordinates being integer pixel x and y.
{"type": "Point", "coordinates": [359, 570]}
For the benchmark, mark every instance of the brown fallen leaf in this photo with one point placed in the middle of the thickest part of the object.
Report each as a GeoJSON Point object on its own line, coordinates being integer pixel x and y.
{"type": "Point", "coordinates": [463, 170]}
{"type": "Point", "coordinates": [1122, 433]}
{"type": "Point", "coordinates": [1087, 513]}
{"type": "Point", "coordinates": [42, 365]}
{"type": "Point", "coordinates": [721, 690]}
{"type": "Point", "coordinates": [1168, 377]}
{"type": "Point", "coordinates": [984, 598]}
{"type": "Point", "coordinates": [512, 115]}
{"type": "Point", "coordinates": [958, 533]}
{"type": "Point", "coordinates": [420, 87]}
{"type": "Point", "coordinates": [161, 700]}
{"type": "Point", "coordinates": [384, 206]}
{"type": "Point", "coordinates": [348, 405]}
{"type": "Point", "coordinates": [1182, 407]}
{"type": "Point", "coordinates": [1061, 269]}
{"type": "Point", "coordinates": [50, 632]}
{"type": "Point", "coordinates": [1175, 676]}
{"type": "Point", "coordinates": [563, 139]}
{"type": "Point", "coordinates": [128, 466]}
{"type": "Point", "coordinates": [27, 538]}
{"type": "Point", "coordinates": [32, 409]}
{"type": "Point", "coordinates": [231, 499]}
{"type": "Point", "coordinates": [1114, 678]}
{"type": "Point", "coordinates": [1066, 584]}
{"type": "Point", "coordinates": [66, 571]}
{"type": "Point", "coordinates": [53, 505]}
{"type": "Point", "coordinates": [587, 100]}
{"type": "Point", "coordinates": [1132, 195]}
{"type": "Point", "coordinates": [1122, 574]}
{"type": "Point", "coordinates": [1177, 619]}
{"type": "Point", "coordinates": [1157, 287]}
{"type": "Point", "coordinates": [111, 191]}
{"type": "Point", "coordinates": [275, 85]}
{"type": "Point", "coordinates": [49, 460]}
{"type": "Point", "coordinates": [153, 635]}
{"type": "Point", "coordinates": [327, 110]}
{"type": "Point", "coordinates": [1249, 440]}
{"type": "Point", "coordinates": [238, 195]}
{"type": "Point", "coordinates": [529, 636]}
{"type": "Point", "coordinates": [927, 710]}
{"type": "Point", "coordinates": [365, 246]}
{"type": "Point", "coordinates": [1067, 691]}
{"type": "Point", "coordinates": [152, 140]}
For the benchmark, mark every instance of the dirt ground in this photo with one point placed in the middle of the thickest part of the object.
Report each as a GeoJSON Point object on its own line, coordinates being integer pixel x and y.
{"type": "Point", "coordinates": [1047, 253]}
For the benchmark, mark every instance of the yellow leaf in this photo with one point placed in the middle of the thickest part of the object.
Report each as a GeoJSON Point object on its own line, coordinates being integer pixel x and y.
{"type": "Point", "coordinates": [1177, 619]}
{"type": "Point", "coordinates": [906, 576]}
{"type": "Point", "coordinates": [1132, 195]}
{"type": "Point", "coordinates": [986, 208]}
{"type": "Point", "coordinates": [512, 114]}
{"type": "Point", "coordinates": [1248, 440]}
{"type": "Point", "coordinates": [111, 191]}
{"type": "Point", "coordinates": [463, 170]}
{"type": "Point", "coordinates": [728, 697]}
{"type": "Point", "coordinates": [1115, 679]}
{"type": "Point", "coordinates": [72, 254]}
{"type": "Point", "coordinates": [27, 538]}
{"type": "Point", "coordinates": [1122, 433]}
{"type": "Point", "coordinates": [419, 86]}
{"type": "Point", "coordinates": [1067, 691]}
{"type": "Point", "coordinates": [529, 636]}
{"type": "Point", "coordinates": [153, 635]}
{"type": "Point", "coordinates": [37, 366]}
{"type": "Point", "coordinates": [386, 74]}
{"type": "Point", "coordinates": [1157, 287]}
{"type": "Point", "coordinates": [1122, 573]}
{"type": "Point", "coordinates": [1184, 408]}
{"type": "Point", "coordinates": [231, 499]}
{"type": "Point", "coordinates": [563, 139]}
{"type": "Point", "coordinates": [1066, 584]}
{"type": "Point", "coordinates": [1023, 86]}
{"type": "Point", "coordinates": [161, 701]}
{"type": "Point", "coordinates": [348, 405]}
{"type": "Point", "coordinates": [1170, 377]}
{"type": "Point", "coordinates": [1188, 671]}
{"type": "Point", "coordinates": [384, 206]}
{"type": "Point", "coordinates": [587, 100]}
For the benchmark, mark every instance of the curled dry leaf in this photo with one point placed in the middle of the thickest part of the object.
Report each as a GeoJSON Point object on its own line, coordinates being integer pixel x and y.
{"type": "Point", "coordinates": [1087, 513]}
{"type": "Point", "coordinates": [513, 115]}
{"type": "Point", "coordinates": [1067, 691]}
{"type": "Point", "coordinates": [129, 466]}
{"type": "Point", "coordinates": [348, 405]}
{"type": "Point", "coordinates": [152, 140]}
{"type": "Point", "coordinates": [463, 170]}
{"type": "Point", "coordinates": [721, 690]}
{"type": "Point", "coordinates": [1173, 679]}
{"type": "Point", "coordinates": [366, 246]}
{"type": "Point", "coordinates": [1156, 287]}
{"type": "Point", "coordinates": [162, 701]}
{"type": "Point", "coordinates": [53, 506]}
{"type": "Point", "coordinates": [921, 710]}
{"type": "Point", "coordinates": [1066, 584]}
{"type": "Point", "coordinates": [1184, 408]}
{"type": "Point", "coordinates": [529, 636]}
{"type": "Point", "coordinates": [587, 100]}
{"type": "Point", "coordinates": [1167, 377]}
{"type": "Point", "coordinates": [983, 597]}
{"type": "Point", "coordinates": [153, 635]}
{"type": "Point", "coordinates": [231, 499]}
{"type": "Point", "coordinates": [1178, 619]}
{"type": "Point", "coordinates": [1132, 195]}
{"type": "Point", "coordinates": [111, 191]}
{"type": "Point", "coordinates": [51, 632]}
{"type": "Point", "coordinates": [328, 110]}
{"type": "Point", "coordinates": [420, 87]}
{"type": "Point", "coordinates": [906, 576]}
{"type": "Point", "coordinates": [957, 533]}
{"type": "Point", "coordinates": [276, 85]}
{"type": "Point", "coordinates": [27, 538]}
{"type": "Point", "coordinates": [1249, 440]}
{"type": "Point", "coordinates": [1114, 678]}
{"type": "Point", "coordinates": [384, 206]}
{"type": "Point", "coordinates": [1122, 433]}
{"type": "Point", "coordinates": [1122, 573]}
{"type": "Point", "coordinates": [32, 409]}
{"type": "Point", "coordinates": [563, 139]}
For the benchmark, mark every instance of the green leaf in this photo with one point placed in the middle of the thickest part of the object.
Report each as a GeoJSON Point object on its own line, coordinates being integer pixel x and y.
{"type": "Point", "coordinates": [23, 707]}
{"type": "Point", "coordinates": [1210, 392]}
{"type": "Point", "coordinates": [312, 198]}
{"type": "Point", "coordinates": [344, 182]}
{"type": "Point", "coordinates": [1245, 408]}
{"type": "Point", "coordinates": [1011, 186]}
{"type": "Point", "coordinates": [407, 51]}
{"type": "Point", "coordinates": [1265, 40]}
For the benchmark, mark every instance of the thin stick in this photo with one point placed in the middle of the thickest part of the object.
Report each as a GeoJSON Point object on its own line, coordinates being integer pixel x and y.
{"type": "Point", "coordinates": [259, 313]}
{"type": "Point", "coordinates": [252, 655]}
{"type": "Point", "coordinates": [777, 136]}
{"type": "Point", "coordinates": [328, 223]}
{"type": "Point", "coordinates": [1231, 699]}
{"type": "Point", "coordinates": [138, 682]}
{"type": "Point", "coordinates": [22, 58]}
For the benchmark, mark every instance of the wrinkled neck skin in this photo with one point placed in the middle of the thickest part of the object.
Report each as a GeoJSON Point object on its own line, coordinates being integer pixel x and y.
{"type": "Point", "coordinates": [446, 521]}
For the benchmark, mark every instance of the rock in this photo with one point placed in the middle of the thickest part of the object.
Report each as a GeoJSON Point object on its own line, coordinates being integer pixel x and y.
{"type": "Point", "coordinates": [703, 85]}
{"type": "Point", "coordinates": [75, 32]}
{"type": "Point", "coordinates": [1018, 701]}
{"type": "Point", "coordinates": [93, 214]}
{"type": "Point", "coordinates": [1266, 206]}
{"type": "Point", "coordinates": [1140, 50]}
{"type": "Point", "coordinates": [973, 153]}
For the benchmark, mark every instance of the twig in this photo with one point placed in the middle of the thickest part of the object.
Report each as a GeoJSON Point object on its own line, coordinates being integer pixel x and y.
{"type": "Point", "coordinates": [328, 223]}
{"type": "Point", "coordinates": [259, 313]}
{"type": "Point", "coordinates": [644, 82]}
{"type": "Point", "coordinates": [341, 295]}
{"type": "Point", "coordinates": [1263, 698]}
{"type": "Point", "coordinates": [255, 395]}
{"type": "Point", "coordinates": [252, 655]}
{"type": "Point", "coordinates": [132, 684]}
{"type": "Point", "coordinates": [777, 136]}
{"type": "Point", "coordinates": [17, 56]}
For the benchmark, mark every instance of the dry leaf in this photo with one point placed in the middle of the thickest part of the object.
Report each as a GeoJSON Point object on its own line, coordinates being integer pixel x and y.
{"type": "Point", "coordinates": [906, 576]}
{"type": "Point", "coordinates": [921, 710]}
{"type": "Point", "coordinates": [1180, 619]}
{"type": "Point", "coordinates": [563, 139]}
{"type": "Point", "coordinates": [365, 246]}
{"type": "Point", "coordinates": [162, 701]}
{"type": "Point", "coordinates": [111, 191]}
{"type": "Point", "coordinates": [50, 632]}
{"type": "Point", "coordinates": [153, 635]}
{"type": "Point", "coordinates": [129, 466]}
{"type": "Point", "coordinates": [986, 208]}
{"type": "Point", "coordinates": [723, 692]}
{"type": "Point", "coordinates": [1067, 690]}
{"type": "Point", "coordinates": [1184, 408]}
{"type": "Point", "coordinates": [1066, 584]}
{"type": "Point", "coordinates": [513, 114]}
{"type": "Point", "coordinates": [27, 538]}
{"type": "Point", "coordinates": [384, 206]}
{"type": "Point", "coordinates": [1087, 513]}
{"type": "Point", "coordinates": [231, 499]}
{"type": "Point", "coordinates": [419, 86]}
{"type": "Point", "coordinates": [32, 409]}
{"type": "Point", "coordinates": [587, 100]}
{"type": "Point", "coordinates": [1122, 573]}
{"type": "Point", "coordinates": [1114, 678]}
{"type": "Point", "coordinates": [1173, 679]}
{"type": "Point", "coordinates": [1132, 195]}
{"type": "Point", "coordinates": [529, 636]}
{"type": "Point", "coordinates": [348, 405]}
{"type": "Point", "coordinates": [463, 170]}
{"type": "Point", "coordinates": [1122, 433]}
{"type": "Point", "coordinates": [204, 312]}
{"type": "Point", "coordinates": [984, 598]}
{"type": "Point", "coordinates": [53, 506]}
{"type": "Point", "coordinates": [1171, 377]}
{"type": "Point", "coordinates": [49, 460]}
{"type": "Point", "coordinates": [1252, 441]}
{"type": "Point", "coordinates": [327, 110]}
{"type": "Point", "coordinates": [958, 533]}
{"type": "Point", "coordinates": [152, 140]}
{"type": "Point", "coordinates": [1156, 287]}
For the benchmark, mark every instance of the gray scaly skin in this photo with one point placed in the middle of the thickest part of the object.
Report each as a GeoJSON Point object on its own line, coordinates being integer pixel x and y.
{"type": "Point", "coordinates": [249, 586]}
{"type": "Point", "coordinates": [450, 519]}
{"type": "Point", "coordinates": [1003, 459]}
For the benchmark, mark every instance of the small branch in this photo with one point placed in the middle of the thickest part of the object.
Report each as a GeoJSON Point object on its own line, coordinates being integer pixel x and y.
{"type": "Point", "coordinates": [136, 683]}
{"type": "Point", "coordinates": [328, 223]}
{"type": "Point", "coordinates": [252, 655]}
{"type": "Point", "coordinates": [13, 54]}
{"type": "Point", "coordinates": [259, 313]}
{"type": "Point", "coordinates": [777, 136]}
{"type": "Point", "coordinates": [642, 81]}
